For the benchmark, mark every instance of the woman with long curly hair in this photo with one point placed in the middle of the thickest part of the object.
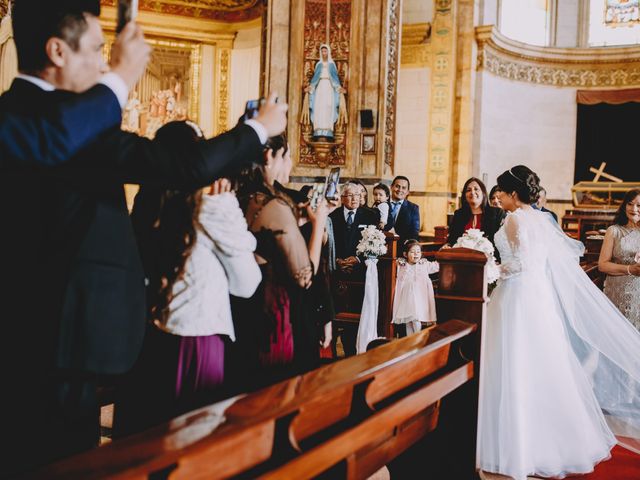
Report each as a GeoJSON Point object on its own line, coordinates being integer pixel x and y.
{"type": "Point", "coordinates": [196, 250]}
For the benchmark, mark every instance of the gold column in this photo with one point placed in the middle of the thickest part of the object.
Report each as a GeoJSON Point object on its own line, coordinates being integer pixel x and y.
{"type": "Point", "coordinates": [462, 161]}
{"type": "Point", "coordinates": [442, 102]}
{"type": "Point", "coordinates": [221, 92]}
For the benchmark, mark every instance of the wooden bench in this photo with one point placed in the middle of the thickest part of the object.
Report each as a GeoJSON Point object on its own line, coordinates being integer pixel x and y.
{"type": "Point", "coordinates": [594, 273]}
{"type": "Point", "coordinates": [343, 420]}
{"type": "Point", "coordinates": [349, 294]}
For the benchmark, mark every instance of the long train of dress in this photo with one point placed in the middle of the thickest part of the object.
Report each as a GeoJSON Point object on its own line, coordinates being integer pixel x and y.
{"type": "Point", "coordinates": [560, 372]}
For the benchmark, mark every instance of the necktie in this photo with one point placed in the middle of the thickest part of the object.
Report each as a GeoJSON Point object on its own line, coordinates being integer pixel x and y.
{"type": "Point", "coordinates": [395, 206]}
{"type": "Point", "coordinates": [350, 218]}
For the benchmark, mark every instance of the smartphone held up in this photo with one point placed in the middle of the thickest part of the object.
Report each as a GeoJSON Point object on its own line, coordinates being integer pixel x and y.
{"type": "Point", "coordinates": [127, 11]}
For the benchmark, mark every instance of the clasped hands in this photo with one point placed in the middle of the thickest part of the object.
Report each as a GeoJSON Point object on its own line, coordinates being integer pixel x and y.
{"type": "Point", "coordinates": [346, 264]}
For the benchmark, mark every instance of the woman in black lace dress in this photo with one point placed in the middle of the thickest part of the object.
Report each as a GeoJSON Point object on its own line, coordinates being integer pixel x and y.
{"type": "Point", "coordinates": [265, 345]}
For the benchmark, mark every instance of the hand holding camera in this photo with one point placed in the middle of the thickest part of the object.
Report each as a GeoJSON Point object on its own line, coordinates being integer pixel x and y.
{"type": "Point", "coordinates": [271, 114]}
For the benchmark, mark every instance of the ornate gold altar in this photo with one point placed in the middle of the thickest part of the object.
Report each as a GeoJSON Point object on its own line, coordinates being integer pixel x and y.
{"type": "Point", "coordinates": [600, 195]}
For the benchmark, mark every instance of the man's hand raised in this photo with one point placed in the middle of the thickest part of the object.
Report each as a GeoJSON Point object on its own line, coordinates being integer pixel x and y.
{"type": "Point", "coordinates": [273, 116]}
{"type": "Point", "coordinates": [130, 54]}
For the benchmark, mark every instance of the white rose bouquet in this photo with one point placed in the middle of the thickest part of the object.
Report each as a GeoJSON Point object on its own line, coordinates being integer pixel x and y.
{"type": "Point", "coordinates": [372, 243]}
{"type": "Point", "coordinates": [475, 240]}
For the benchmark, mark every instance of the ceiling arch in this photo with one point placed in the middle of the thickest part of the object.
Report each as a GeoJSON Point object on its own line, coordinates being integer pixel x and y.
{"type": "Point", "coordinates": [219, 10]}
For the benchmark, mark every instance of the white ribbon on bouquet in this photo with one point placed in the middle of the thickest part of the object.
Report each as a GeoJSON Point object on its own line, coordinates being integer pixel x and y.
{"type": "Point", "coordinates": [368, 327]}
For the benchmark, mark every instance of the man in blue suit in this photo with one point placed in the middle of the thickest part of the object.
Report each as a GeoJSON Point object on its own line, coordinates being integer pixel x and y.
{"type": "Point", "coordinates": [73, 287]}
{"type": "Point", "coordinates": [66, 124]}
{"type": "Point", "coordinates": [404, 216]}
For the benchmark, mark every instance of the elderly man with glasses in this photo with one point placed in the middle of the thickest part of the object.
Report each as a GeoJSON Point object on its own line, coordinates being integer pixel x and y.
{"type": "Point", "coordinates": [348, 222]}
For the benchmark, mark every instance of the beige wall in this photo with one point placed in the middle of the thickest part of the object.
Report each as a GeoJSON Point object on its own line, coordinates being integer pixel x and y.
{"type": "Point", "coordinates": [523, 123]}
{"type": "Point", "coordinates": [412, 125]}
{"type": "Point", "coordinates": [245, 70]}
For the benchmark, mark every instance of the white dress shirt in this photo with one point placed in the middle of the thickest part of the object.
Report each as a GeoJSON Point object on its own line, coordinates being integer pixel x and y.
{"type": "Point", "coordinates": [346, 213]}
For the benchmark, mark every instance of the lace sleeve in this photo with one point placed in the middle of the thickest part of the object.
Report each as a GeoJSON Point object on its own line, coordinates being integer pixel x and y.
{"type": "Point", "coordinates": [430, 267]}
{"type": "Point", "coordinates": [512, 264]}
{"type": "Point", "coordinates": [278, 217]}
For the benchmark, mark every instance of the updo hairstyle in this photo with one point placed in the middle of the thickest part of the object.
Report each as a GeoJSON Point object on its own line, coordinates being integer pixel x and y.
{"type": "Point", "coordinates": [523, 181]}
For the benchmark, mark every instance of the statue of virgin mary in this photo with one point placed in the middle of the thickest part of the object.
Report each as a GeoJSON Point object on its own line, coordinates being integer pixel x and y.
{"type": "Point", "coordinates": [324, 95]}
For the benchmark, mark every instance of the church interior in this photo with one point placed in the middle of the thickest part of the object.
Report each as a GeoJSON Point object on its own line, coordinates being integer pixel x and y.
{"type": "Point", "coordinates": [437, 91]}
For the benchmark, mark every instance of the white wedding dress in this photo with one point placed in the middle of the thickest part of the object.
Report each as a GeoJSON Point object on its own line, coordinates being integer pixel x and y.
{"type": "Point", "coordinates": [560, 367]}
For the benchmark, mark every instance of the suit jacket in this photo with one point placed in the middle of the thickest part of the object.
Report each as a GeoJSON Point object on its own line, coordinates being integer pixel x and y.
{"type": "Point", "coordinates": [347, 238]}
{"type": "Point", "coordinates": [73, 283]}
{"type": "Point", "coordinates": [492, 219]}
{"type": "Point", "coordinates": [407, 222]}
{"type": "Point", "coordinates": [63, 125]}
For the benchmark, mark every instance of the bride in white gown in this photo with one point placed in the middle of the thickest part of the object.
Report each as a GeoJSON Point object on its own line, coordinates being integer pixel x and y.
{"type": "Point", "coordinates": [560, 371]}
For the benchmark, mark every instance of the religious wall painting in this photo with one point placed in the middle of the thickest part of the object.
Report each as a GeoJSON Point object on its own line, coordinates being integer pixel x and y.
{"type": "Point", "coordinates": [168, 90]}
{"type": "Point", "coordinates": [323, 116]}
{"type": "Point", "coordinates": [4, 8]}
{"type": "Point", "coordinates": [368, 143]}
{"type": "Point", "coordinates": [621, 12]}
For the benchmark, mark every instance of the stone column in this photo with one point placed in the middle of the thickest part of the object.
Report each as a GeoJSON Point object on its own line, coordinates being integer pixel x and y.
{"type": "Point", "coordinates": [441, 123]}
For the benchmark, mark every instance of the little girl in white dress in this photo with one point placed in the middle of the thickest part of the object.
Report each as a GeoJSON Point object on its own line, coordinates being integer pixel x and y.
{"type": "Point", "coordinates": [414, 300]}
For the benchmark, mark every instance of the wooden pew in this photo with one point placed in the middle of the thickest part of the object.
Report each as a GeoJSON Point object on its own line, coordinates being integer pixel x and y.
{"type": "Point", "coordinates": [349, 294]}
{"type": "Point", "coordinates": [577, 222]}
{"type": "Point", "coordinates": [344, 420]}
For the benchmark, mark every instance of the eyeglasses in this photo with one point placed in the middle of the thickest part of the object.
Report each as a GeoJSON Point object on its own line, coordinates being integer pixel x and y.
{"type": "Point", "coordinates": [351, 195]}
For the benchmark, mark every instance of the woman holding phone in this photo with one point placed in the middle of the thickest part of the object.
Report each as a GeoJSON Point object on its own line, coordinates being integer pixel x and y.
{"type": "Point", "coordinates": [265, 346]}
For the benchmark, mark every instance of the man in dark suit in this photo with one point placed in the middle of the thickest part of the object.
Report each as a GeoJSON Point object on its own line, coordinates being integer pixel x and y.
{"type": "Point", "coordinates": [67, 124]}
{"type": "Point", "coordinates": [347, 222]}
{"type": "Point", "coordinates": [541, 204]}
{"type": "Point", "coordinates": [404, 216]}
{"type": "Point", "coordinates": [73, 284]}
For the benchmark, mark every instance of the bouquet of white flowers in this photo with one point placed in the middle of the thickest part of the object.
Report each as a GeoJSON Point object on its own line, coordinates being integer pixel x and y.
{"type": "Point", "coordinates": [475, 240]}
{"type": "Point", "coordinates": [372, 243]}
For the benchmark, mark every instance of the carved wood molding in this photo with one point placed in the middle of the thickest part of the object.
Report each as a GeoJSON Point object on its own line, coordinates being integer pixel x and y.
{"type": "Point", "coordinates": [392, 82]}
{"type": "Point", "coordinates": [416, 45]}
{"type": "Point", "coordinates": [561, 67]}
{"type": "Point", "coordinates": [223, 61]}
{"type": "Point", "coordinates": [219, 10]}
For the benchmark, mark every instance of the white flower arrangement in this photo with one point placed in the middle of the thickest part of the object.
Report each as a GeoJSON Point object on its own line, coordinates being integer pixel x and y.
{"type": "Point", "coordinates": [373, 242]}
{"type": "Point", "coordinates": [475, 240]}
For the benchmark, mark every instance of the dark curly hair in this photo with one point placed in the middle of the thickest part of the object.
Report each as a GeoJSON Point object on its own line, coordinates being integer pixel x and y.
{"type": "Point", "coordinates": [522, 180]}
{"type": "Point", "coordinates": [621, 215]}
{"type": "Point", "coordinates": [384, 188]}
{"type": "Point", "coordinates": [165, 225]}
{"type": "Point", "coordinates": [464, 204]}
{"type": "Point", "coordinates": [250, 180]}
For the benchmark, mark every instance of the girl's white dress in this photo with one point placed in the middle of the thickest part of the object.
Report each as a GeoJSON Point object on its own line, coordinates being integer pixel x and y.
{"type": "Point", "coordinates": [414, 299]}
{"type": "Point", "coordinates": [560, 366]}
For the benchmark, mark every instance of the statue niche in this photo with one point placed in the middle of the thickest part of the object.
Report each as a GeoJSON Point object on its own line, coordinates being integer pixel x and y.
{"type": "Point", "coordinates": [324, 112]}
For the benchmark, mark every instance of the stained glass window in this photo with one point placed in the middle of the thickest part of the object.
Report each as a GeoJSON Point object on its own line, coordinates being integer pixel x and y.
{"type": "Point", "coordinates": [614, 22]}
{"type": "Point", "coordinates": [621, 12]}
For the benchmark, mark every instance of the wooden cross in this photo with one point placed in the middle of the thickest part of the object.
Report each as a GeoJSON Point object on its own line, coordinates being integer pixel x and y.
{"type": "Point", "coordinates": [600, 173]}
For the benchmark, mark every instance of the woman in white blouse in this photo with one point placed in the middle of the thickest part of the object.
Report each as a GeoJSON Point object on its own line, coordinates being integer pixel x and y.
{"type": "Point", "coordinates": [196, 250]}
